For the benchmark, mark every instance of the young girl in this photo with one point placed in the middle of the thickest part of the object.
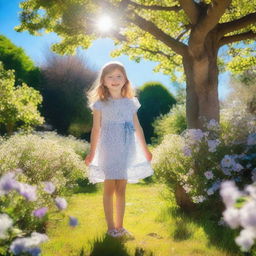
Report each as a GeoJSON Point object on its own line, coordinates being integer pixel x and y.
{"type": "Point", "coordinates": [118, 151]}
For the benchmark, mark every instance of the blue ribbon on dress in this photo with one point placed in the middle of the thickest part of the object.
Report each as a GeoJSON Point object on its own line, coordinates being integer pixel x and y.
{"type": "Point", "coordinates": [129, 129]}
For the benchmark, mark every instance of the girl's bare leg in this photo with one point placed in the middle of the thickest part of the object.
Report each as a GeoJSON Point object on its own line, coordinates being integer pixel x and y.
{"type": "Point", "coordinates": [120, 189]}
{"type": "Point", "coordinates": [109, 189]}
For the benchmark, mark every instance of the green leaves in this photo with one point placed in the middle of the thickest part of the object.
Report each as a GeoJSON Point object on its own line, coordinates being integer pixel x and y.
{"type": "Point", "coordinates": [74, 21]}
{"type": "Point", "coordinates": [18, 106]}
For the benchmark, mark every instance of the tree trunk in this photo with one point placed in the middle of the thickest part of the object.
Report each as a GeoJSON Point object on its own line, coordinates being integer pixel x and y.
{"type": "Point", "coordinates": [202, 102]}
{"type": "Point", "coordinates": [9, 128]}
{"type": "Point", "coordinates": [200, 66]}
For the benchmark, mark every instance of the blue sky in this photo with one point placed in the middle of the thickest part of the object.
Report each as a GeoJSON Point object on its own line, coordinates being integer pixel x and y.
{"type": "Point", "coordinates": [97, 55]}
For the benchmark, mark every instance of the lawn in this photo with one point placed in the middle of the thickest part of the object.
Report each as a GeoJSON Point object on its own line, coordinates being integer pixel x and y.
{"type": "Point", "coordinates": [159, 227]}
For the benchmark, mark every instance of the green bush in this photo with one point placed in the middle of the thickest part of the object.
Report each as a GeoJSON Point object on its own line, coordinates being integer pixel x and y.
{"type": "Point", "coordinates": [38, 158]}
{"type": "Point", "coordinates": [199, 161]}
{"type": "Point", "coordinates": [155, 100]}
{"type": "Point", "coordinates": [172, 123]}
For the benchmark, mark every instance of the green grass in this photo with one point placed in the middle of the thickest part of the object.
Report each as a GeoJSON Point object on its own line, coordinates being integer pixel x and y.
{"type": "Point", "coordinates": [160, 228]}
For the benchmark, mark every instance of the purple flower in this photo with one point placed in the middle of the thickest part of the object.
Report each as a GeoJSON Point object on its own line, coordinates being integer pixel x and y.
{"type": "Point", "coordinates": [73, 222]}
{"type": "Point", "coordinates": [40, 212]}
{"type": "Point", "coordinates": [61, 203]}
{"type": "Point", "coordinates": [251, 140]}
{"type": "Point", "coordinates": [28, 191]}
{"type": "Point", "coordinates": [195, 134]}
{"type": "Point", "coordinates": [28, 244]}
{"type": "Point", "coordinates": [212, 144]}
{"type": "Point", "coordinates": [227, 161]}
{"type": "Point", "coordinates": [212, 124]}
{"type": "Point", "coordinates": [8, 183]}
{"type": "Point", "coordinates": [187, 151]}
{"type": "Point", "coordinates": [238, 167]}
{"type": "Point", "coordinates": [49, 187]}
{"type": "Point", "coordinates": [35, 251]}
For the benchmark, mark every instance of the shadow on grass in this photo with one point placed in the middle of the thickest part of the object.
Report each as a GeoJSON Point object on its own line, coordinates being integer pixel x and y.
{"type": "Point", "coordinates": [109, 246]}
{"type": "Point", "coordinates": [182, 231]}
{"type": "Point", "coordinates": [84, 186]}
{"type": "Point", "coordinates": [221, 237]}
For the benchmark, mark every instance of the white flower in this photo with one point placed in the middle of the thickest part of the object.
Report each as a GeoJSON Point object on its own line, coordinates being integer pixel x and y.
{"type": "Point", "coordinates": [212, 144]}
{"type": "Point", "coordinates": [210, 191]}
{"type": "Point", "coordinates": [232, 217]}
{"type": "Point", "coordinates": [187, 188]}
{"type": "Point", "coordinates": [248, 215]}
{"type": "Point", "coordinates": [198, 199]}
{"type": "Point", "coordinates": [190, 172]}
{"type": "Point", "coordinates": [245, 239]}
{"type": "Point", "coordinates": [229, 193]}
{"type": "Point", "coordinates": [5, 223]}
{"type": "Point", "coordinates": [208, 175]}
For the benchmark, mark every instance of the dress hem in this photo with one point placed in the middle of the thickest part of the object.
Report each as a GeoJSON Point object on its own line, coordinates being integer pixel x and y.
{"type": "Point", "coordinates": [147, 171]}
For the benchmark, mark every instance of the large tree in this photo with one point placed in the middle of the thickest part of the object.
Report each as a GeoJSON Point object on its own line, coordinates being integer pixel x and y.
{"type": "Point", "coordinates": [182, 35]}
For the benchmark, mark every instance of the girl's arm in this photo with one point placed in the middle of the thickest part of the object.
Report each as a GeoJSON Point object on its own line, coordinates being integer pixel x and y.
{"type": "Point", "coordinates": [140, 134]}
{"type": "Point", "coordinates": [95, 130]}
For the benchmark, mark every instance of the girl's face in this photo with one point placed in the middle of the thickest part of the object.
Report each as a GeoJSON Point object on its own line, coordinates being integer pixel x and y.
{"type": "Point", "coordinates": [114, 80]}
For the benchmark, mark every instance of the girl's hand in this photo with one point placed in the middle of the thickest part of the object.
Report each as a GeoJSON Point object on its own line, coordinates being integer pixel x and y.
{"type": "Point", "coordinates": [148, 155]}
{"type": "Point", "coordinates": [89, 158]}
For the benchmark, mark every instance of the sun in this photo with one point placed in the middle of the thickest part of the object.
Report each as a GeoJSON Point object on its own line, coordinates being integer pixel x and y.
{"type": "Point", "coordinates": [104, 23]}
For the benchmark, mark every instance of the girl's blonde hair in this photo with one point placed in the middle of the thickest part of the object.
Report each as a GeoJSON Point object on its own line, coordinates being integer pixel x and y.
{"type": "Point", "coordinates": [100, 92]}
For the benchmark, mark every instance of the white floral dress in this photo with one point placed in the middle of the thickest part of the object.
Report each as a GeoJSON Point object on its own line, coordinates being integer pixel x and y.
{"type": "Point", "coordinates": [118, 152]}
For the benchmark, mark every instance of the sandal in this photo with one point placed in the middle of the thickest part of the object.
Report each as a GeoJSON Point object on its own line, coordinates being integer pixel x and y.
{"type": "Point", "coordinates": [113, 232]}
{"type": "Point", "coordinates": [125, 233]}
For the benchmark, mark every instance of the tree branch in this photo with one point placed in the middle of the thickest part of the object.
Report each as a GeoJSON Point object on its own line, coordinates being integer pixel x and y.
{"type": "Point", "coordinates": [155, 7]}
{"type": "Point", "coordinates": [191, 10]}
{"type": "Point", "coordinates": [129, 15]}
{"type": "Point", "coordinates": [236, 38]}
{"type": "Point", "coordinates": [182, 33]}
{"type": "Point", "coordinates": [234, 25]}
{"type": "Point", "coordinates": [151, 28]}
{"type": "Point", "coordinates": [212, 17]}
{"type": "Point", "coordinates": [153, 52]}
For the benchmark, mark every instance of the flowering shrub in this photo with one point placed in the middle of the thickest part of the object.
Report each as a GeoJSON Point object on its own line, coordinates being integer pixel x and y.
{"type": "Point", "coordinates": [79, 146]}
{"type": "Point", "coordinates": [44, 170]}
{"type": "Point", "coordinates": [42, 159]}
{"type": "Point", "coordinates": [11, 231]}
{"type": "Point", "coordinates": [200, 160]}
{"type": "Point", "coordinates": [240, 212]}
{"type": "Point", "coordinates": [236, 123]}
